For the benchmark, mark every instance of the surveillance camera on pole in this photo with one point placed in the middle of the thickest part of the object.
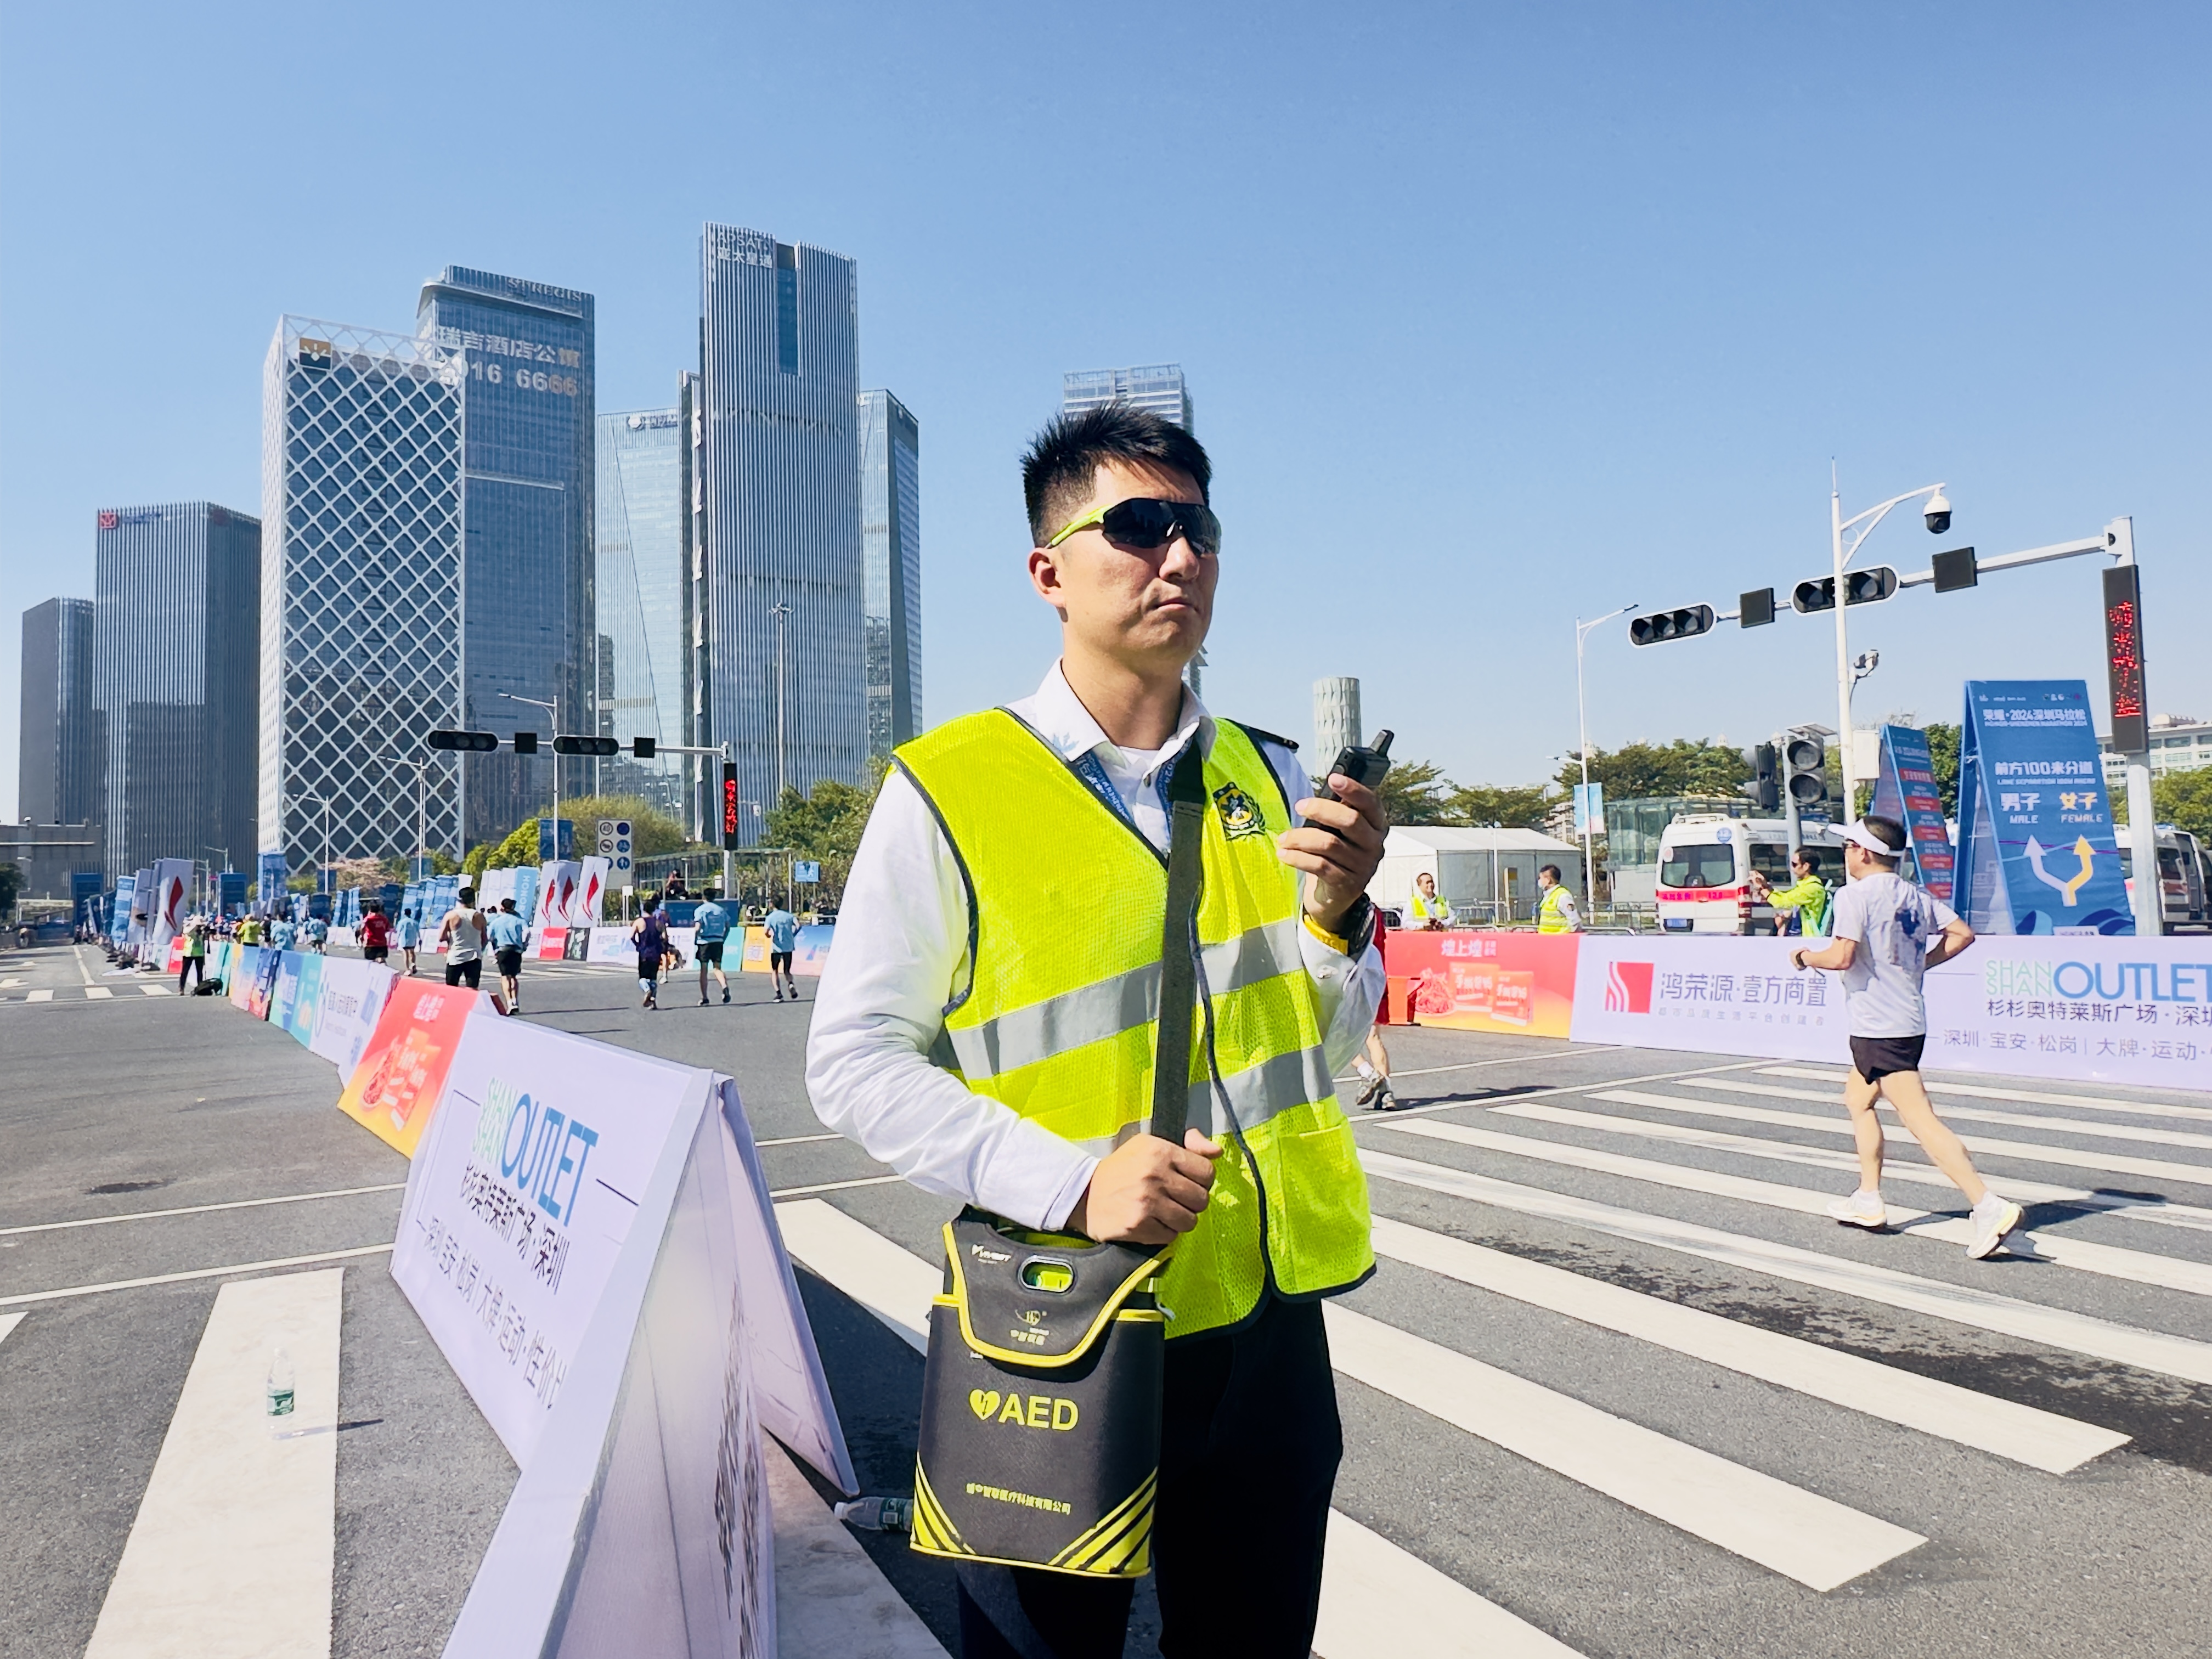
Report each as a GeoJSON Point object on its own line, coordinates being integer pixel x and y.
{"type": "Point", "coordinates": [1937, 513]}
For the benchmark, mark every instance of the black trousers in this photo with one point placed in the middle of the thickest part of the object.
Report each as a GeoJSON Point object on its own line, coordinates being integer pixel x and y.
{"type": "Point", "coordinates": [1248, 1460]}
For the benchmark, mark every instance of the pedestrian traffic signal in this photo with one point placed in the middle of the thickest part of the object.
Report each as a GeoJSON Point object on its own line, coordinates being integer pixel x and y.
{"type": "Point", "coordinates": [1765, 786]}
{"type": "Point", "coordinates": [642, 748]}
{"type": "Point", "coordinates": [1955, 568]}
{"type": "Point", "coordinates": [729, 805]}
{"type": "Point", "coordinates": [1684, 623]}
{"type": "Point", "coordinates": [1805, 768]}
{"type": "Point", "coordinates": [1869, 586]}
{"type": "Point", "coordinates": [525, 743]}
{"type": "Point", "coordinates": [569, 743]}
{"type": "Point", "coordinates": [472, 742]}
{"type": "Point", "coordinates": [1755, 609]}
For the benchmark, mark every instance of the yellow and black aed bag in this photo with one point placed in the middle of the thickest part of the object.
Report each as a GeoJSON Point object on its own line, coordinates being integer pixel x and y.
{"type": "Point", "coordinates": [1040, 1443]}
{"type": "Point", "coordinates": [1041, 1397]}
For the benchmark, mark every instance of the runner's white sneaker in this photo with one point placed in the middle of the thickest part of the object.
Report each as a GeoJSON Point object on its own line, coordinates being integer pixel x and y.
{"type": "Point", "coordinates": [1371, 1089]}
{"type": "Point", "coordinates": [1861, 1209]}
{"type": "Point", "coordinates": [1993, 1218]}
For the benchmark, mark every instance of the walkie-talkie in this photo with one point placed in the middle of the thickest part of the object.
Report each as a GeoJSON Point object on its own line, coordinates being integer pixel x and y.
{"type": "Point", "coordinates": [1363, 765]}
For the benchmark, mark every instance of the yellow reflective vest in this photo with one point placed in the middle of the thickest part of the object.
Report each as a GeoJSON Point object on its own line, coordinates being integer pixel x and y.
{"type": "Point", "coordinates": [1554, 913]}
{"type": "Point", "coordinates": [1420, 910]}
{"type": "Point", "coordinates": [1058, 1020]}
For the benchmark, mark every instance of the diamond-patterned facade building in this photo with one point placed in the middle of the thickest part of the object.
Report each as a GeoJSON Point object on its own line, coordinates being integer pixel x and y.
{"type": "Point", "coordinates": [362, 657]}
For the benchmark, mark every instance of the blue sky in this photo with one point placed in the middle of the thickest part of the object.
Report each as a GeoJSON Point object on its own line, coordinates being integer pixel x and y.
{"type": "Point", "coordinates": [1492, 315]}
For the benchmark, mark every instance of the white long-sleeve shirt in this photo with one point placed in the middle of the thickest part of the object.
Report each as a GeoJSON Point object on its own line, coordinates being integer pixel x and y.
{"type": "Point", "coordinates": [901, 953]}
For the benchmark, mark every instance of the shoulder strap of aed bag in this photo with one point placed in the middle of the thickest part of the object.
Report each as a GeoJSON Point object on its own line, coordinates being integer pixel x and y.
{"type": "Point", "coordinates": [1186, 795]}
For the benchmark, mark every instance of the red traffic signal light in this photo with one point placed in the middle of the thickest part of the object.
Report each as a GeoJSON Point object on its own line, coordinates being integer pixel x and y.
{"type": "Point", "coordinates": [470, 742]}
{"type": "Point", "coordinates": [729, 804]}
{"type": "Point", "coordinates": [1685, 622]}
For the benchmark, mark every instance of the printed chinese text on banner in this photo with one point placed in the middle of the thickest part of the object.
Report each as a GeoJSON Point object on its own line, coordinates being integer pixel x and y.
{"type": "Point", "coordinates": [1485, 981]}
{"type": "Point", "coordinates": [393, 1091]}
{"type": "Point", "coordinates": [1905, 790]}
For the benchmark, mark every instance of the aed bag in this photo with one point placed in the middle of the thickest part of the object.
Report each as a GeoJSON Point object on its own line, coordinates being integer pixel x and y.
{"type": "Point", "coordinates": [1040, 1443]}
{"type": "Point", "coordinates": [1041, 1395]}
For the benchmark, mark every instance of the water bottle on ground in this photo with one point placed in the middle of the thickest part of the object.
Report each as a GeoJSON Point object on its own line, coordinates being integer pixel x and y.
{"type": "Point", "coordinates": [877, 1514]}
{"type": "Point", "coordinates": [280, 1390]}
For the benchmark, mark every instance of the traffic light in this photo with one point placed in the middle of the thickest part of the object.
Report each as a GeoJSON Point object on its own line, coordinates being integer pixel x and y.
{"type": "Point", "coordinates": [729, 805]}
{"type": "Point", "coordinates": [569, 743]}
{"type": "Point", "coordinates": [1755, 609]}
{"type": "Point", "coordinates": [1766, 788]}
{"type": "Point", "coordinates": [525, 743]}
{"type": "Point", "coordinates": [1955, 568]}
{"type": "Point", "coordinates": [1684, 623]}
{"type": "Point", "coordinates": [1869, 586]}
{"type": "Point", "coordinates": [472, 742]}
{"type": "Point", "coordinates": [1805, 771]}
{"type": "Point", "coordinates": [644, 748]}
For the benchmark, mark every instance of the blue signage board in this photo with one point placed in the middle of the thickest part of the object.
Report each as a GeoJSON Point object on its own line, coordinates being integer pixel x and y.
{"type": "Point", "coordinates": [556, 839]}
{"type": "Point", "coordinates": [84, 894]}
{"type": "Point", "coordinates": [272, 877]}
{"type": "Point", "coordinates": [1905, 790]}
{"type": "Point", "coordinates": [2037, 852]}
{"type": "Point", "coordinates": [231, 883]}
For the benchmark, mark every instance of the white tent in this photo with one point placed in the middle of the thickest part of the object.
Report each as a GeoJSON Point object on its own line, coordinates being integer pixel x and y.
{"type": "Point", "coordinates": [1492, 872]}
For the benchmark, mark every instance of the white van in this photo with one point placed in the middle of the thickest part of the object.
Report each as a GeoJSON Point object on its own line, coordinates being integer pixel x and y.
{"type": "Point", "coordinates": [1705, 862]}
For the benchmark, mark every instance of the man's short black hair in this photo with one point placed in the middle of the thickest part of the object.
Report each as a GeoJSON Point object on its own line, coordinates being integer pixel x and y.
{"type": "Point", "coordinates": [1551, 870]}
{"type": "Point", "coordinates": [1062, 463]}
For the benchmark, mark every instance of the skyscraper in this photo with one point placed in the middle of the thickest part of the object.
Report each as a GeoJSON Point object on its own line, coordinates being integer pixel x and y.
{"type": "Point", "coordinates": [360, 591]}
{"type": "Point", "coordinates": [779, 471]}
{"type": "Point", "coordinates": [527, 620]}
{"type": "Point", "coordinates": [640, 587]}
{"type": "Point", "coordinates": [891, 543]}
{"type": "Point", "coordinates": [58, 763]}
{"type": "Point", "coordinates": [1158, 387]}
{"type": "Point", "coordinates": [175, 648]}
{"type": "Point", "coordinates": [1336, 717]}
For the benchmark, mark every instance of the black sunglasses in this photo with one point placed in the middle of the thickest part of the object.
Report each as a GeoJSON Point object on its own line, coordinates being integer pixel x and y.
{"type": "Point", "coordinates": [1142, 522]}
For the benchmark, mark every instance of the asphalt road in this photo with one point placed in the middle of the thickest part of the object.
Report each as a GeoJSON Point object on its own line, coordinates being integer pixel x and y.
{"type": "Point", "coordinates": [1652, 1525]}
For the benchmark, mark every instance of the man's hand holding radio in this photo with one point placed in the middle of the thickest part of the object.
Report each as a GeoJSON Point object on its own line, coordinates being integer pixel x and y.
{"type": "Point", "coordinates": [1339, 847]}
{"type": "Point", "coordinates": [1146, 1190]}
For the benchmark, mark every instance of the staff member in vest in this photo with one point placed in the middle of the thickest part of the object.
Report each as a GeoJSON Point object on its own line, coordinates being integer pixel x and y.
{"type": "Point", "coordinates": [1555, 905]}
{"type": "Point", "coordinates": [1425, 911]}
{"type": "Point", "coordinates": [712, 922]}
{"type": "Point", "coordinates": [1008, 896]}
{"type": "Point", "coordinates": [1804, 902]}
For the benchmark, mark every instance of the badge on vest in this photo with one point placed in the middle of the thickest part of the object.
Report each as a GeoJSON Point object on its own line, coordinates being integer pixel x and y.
{"type": "Point", "coordinates": [1240, 817]}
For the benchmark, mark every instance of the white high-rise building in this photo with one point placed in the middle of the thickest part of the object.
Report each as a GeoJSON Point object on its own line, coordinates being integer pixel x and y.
{"type": "Point", "coordinates": [1158, 387]}
{"type": "Point", "coordinates": [1336, 717]}
{"type": "Point", "coordinates": [643, 530]}
{"type": "Point", "coordinates": [891, 543]}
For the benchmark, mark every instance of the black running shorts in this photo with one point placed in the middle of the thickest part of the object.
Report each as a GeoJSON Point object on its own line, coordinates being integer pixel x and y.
{"type": "Point", "coordinates": [779, 962]}
{"type": "Point", "coordinates": [464, 973]}
{"type": "Point", "coordinates": [510, 961]}
{"type": "Point", "coordinates": [709, 952]}
{"type": "Point", "coordinates": [1875, 1058]}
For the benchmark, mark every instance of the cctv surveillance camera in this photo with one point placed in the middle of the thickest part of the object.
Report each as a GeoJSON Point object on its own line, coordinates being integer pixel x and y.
{"type": "Point", "coordinates": [1938, 513]}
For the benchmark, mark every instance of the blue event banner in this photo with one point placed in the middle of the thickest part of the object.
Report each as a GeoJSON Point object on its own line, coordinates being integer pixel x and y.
{"type": "Point", "coordinates": [2037, 852]}
{"type": "Point", "coordinates": [1905, 790]}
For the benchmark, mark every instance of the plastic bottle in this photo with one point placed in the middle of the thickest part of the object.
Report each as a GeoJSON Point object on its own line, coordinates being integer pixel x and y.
{"type": "Point", "coordinates": [280, 1393]}
{"type": "Point", "coordinates": [877, 1514]}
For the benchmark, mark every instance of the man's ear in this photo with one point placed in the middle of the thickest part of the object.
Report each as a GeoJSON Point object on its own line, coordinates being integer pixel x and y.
{"type": "Point", "coordinates": [1045, 575]}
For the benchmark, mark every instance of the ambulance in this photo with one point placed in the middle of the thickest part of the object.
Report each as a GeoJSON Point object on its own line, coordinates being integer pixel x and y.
{"type": "Point", "coordinates": [1705, 864]}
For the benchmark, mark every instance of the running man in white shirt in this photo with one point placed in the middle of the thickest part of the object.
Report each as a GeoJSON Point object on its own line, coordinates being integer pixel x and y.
{"type": "Point", "coordinates": [1888, 933]}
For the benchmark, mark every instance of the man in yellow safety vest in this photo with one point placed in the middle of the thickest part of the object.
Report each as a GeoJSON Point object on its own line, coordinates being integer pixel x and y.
{"type": "Point", "coordinates": [1555, 905]}
{"type": "Point", "coordinates": [1425, 911]}
{"type": "Point", "coordinates": [988, 1022]}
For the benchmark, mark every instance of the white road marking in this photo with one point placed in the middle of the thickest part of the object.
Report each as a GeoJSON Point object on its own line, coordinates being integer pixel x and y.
{"type": "Point", "coordinates": [2072, 1125]}
{"type": "Point", "coordinates": [2098, 1339]}
{"type": "Point", "coordinates": [1935, 1085]}
{"type": "Point", "coordinates": [897, 1286]}
{"type": "Point", "coordinates": [97, 993]}
{"type": "Point", "coordinates": [8, 1322]}
{"type": "Point", "coordinates": [231, 1550]}
{"type": "Point", "coordinates": [198, 1209]}
{"type": "Point", "coordinates": [1564, 1089]}
{"type": "Point", "coordinates": [795, 1140]}
{"type": "Point", "coordinates": [1813, 1540]}
{"type": "Point", "coordinates": [2041, 1439]}
{"type": "Point", "coordinates": [2143, 1267]}
{"type": "Point", "coordinates": [9, 984]}
{"type": "Point", "coordinates": [45, 994]}
{"type": "Point", "coordinates": [836, 1186]}
{"type": "Point", "coordinates": [2126, 1205]}
{"type": "Point", "coordinates": [1379, 1603]}
{"type": "Point", "coordinates": [2028, 1151]}
{"type": "Point", "coordinates": [1535, 1056]}
{"type": "Point", "coordinates": [84, 962]}
{"type": "Point", "coordinates": [155, 991]}
{"type": "Point", "coordinates": [197, 1273]}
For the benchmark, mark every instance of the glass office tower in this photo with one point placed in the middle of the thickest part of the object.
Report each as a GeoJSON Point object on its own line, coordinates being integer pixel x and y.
{"type": "Point", "coordinates": [891, 545]}
{"type": "Point", "coordinates": [1158, 387]}
{"type": "Point", "coordinates": [176, 646]}
{"type": "Point", "coordinates": [642, 512]}
{"type": "Point", "coordinates": [527, 576]}
{"type": "Point", "coordinates": [58, 759]}
{"type": "Point", "coordinates": [361, 592]}
{"type": "Point", "coordinates": [779, 462]}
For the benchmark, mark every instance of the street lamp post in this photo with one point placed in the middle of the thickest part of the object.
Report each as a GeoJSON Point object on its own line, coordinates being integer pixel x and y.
{"type": "Point", "coordinates": [780, 611]}
{"type": "Point", "coordinates": [1581, 722]}
{"type": "Point", "coordinates": [422, 804]}
{"type": "Point", "coordinates": [317, 800]}
{"type": "Point", "coordinates": [1847, 677]}
{"type": "Point", "coordinates": [553, 710]}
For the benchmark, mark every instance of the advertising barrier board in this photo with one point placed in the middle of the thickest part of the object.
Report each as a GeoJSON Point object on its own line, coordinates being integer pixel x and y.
{"type": "Point", "coordinates": [1470, 981]}
{"type": "Point", "coordinates": [2107, 1010]}
{"type": "Point", "coordinates": [173, 880]}
{"type": "Point", "coordinates": [394, 1089]}
{"type": "Point", "coordinates": [1715, 995]}
{"type": "Point", "coordinates": [298, 994]}
{"type": "Point", "coordinates": [352, 996]}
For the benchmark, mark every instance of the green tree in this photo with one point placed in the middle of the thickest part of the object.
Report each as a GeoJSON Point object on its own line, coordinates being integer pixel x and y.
{"type": "Point", "coordinates": [652, 832]}
{"type": "Point", "coordinates": [825, 826]}
{"type": "Point", "coordinates": [1513, 807]}
{"type": "Point", "coordinates": [1683, 767]}
{"type": "Point", "coordinates": [1943, 750]}
{"type": "Point", "coordinates": [1417, 791]}
{"type": "Point", "coordinates": [11, 882]}
{"type": "Point", "coordinates": [2182, 799]}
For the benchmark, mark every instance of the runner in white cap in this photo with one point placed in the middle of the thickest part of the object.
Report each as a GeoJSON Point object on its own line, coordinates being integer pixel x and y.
{"type": "Point", "coordinates": [1887, 934]}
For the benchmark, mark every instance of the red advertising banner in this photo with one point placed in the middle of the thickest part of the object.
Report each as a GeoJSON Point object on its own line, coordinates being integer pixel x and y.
{"type": "Point", "coordinates": [1488, 981]}
{"type": "Point", "coordinates": [395, 1088]}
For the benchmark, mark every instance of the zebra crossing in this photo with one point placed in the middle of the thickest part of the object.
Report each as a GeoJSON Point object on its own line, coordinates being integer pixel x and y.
{"type": "Point", "coordinates": [1745, 1203]}
{"type": "Point", "coordinates": [64, 994]}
